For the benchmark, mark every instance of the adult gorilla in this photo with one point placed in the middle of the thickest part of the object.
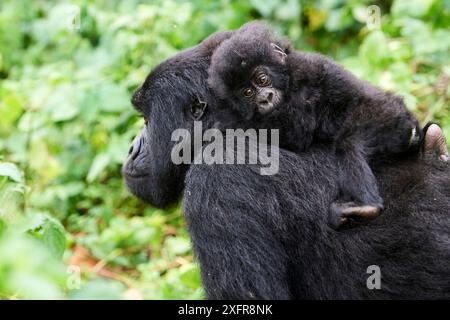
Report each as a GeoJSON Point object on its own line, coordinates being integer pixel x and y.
{"type": "Point", "coordinates": [264, 236]}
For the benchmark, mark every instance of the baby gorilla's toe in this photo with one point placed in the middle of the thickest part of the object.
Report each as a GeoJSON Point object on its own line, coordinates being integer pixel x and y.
{"type": "Point", "coordinates": [343, 214]}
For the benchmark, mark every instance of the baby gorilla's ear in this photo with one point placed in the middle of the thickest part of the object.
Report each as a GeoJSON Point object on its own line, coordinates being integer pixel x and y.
{"type": "Point", "coordinates": [279, 52]}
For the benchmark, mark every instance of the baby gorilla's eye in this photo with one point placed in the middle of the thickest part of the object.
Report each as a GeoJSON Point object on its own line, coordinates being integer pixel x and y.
{"type": "Point", "coordinates": [247, 92]}
{"type": "Point", "coordinates": [262, 79]}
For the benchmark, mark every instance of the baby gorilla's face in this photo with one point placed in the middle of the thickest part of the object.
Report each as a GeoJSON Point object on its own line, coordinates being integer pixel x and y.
{"type": "Point", "coordinates": [261, 91]}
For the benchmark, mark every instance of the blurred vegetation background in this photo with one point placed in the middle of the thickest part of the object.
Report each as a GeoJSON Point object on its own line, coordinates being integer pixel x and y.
{"type": "Point", "coordinates": [68, 227]}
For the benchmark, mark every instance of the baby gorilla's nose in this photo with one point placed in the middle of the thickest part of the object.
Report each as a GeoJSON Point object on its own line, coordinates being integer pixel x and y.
{"type": "Point", "coordinates": [265, 98]}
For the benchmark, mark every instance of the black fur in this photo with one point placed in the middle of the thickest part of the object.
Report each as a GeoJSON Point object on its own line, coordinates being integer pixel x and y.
{"type": "Point", "coordinates": [264, 236]}
{"type": "Point", "coordinates": [321, 103]}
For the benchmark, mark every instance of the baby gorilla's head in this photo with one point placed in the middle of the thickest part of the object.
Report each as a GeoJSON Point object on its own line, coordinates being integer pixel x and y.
{"type": "Point", "coordinates": [249, 71]}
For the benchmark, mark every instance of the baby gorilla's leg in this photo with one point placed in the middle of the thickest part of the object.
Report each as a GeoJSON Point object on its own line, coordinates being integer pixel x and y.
{"type": "Point", "coordinates": [344, 213]}
{"type": "Point", "coordinates": [360, 199]}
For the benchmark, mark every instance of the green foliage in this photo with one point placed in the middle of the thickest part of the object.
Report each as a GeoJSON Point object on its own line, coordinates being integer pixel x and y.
{"type": "Point", "coordinates": [28, 269]}
{"type": "Point", "coordinates": [68, 227]}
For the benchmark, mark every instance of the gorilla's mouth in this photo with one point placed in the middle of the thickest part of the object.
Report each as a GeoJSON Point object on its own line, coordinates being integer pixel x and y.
{"type": "Point", "coordinates": [130, 171]}
{"type": "Point", "coordinates": [134, 175]}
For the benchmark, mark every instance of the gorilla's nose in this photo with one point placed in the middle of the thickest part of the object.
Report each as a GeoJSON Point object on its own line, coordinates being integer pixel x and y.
{"type": "Point", "coordinates": [265, 98]}
{"type": "Point", "coordinates": [135, 148]}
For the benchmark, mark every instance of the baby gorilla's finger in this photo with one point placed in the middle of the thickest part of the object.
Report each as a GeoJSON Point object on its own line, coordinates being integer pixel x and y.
{"type": "Point", "coordinates": [435, 142]}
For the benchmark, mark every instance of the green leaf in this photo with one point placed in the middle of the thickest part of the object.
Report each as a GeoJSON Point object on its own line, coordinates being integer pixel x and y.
{"type": "Point", "coordinates": [10, 109]}
{"type": "Point", "coordinates": [288, 10]}
{"type": "Point", "coordinates": [28, 270]}
{"type": "Point", "coordinates": [61, 103]}
{"type": "Point", "coordinates": [190, 275]}
{"type": "Point", "coordinates": [374, 49]}
{"type": "Point", "coordinates": [411, 8]}
{"type": "Point", "coordinates": [11, 171]}
{"type": "Point", "coordinates": [2, 227]}
{"type": "Point", "coordinates": [48, 230]}
{"type": "Point", "coordinates": [34, 222]}
{"type": "Point", "coordinates": [113, 98]}
{"type": "Point", "coordinates": [338, 19]}
{"type": "Point", "coordinates": [266, 8]}
{"type": "Point", "coordinates": [100, 162]}
{"type": "Point", "coordinates": [177, 246]}
{"type": "Point", "coordinates": [54, 238]}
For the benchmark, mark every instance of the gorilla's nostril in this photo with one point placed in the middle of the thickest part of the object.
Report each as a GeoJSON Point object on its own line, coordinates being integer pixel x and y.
{"type": "Point", "coordinates": [270, 97]}
{"type": "Point", "coordinates": [135, 149]}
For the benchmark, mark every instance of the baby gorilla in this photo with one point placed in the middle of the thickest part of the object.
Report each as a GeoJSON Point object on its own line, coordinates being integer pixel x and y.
{"type": "Point", "coordinates": [312, 100]}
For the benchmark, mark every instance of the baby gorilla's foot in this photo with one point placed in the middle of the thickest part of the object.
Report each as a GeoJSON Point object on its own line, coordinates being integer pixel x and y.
{"type": "Point", "coordinates": [344, 213]}
{"type": "Point", "coordinates": [435, 143]}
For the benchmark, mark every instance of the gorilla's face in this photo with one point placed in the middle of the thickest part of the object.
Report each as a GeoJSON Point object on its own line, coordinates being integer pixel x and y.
{"type": "Point", "coordinates": [262, 91]}
{"type": "Point", "coordinates": [249, 72]}
{"type": "Point", "coordinates": [169, 99]}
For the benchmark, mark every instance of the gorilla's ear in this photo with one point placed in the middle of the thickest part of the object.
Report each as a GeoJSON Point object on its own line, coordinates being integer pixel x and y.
{"type": "Point", "coordinates": [198, 108]}
{"type": "Point", "coordinates": [279, 52]}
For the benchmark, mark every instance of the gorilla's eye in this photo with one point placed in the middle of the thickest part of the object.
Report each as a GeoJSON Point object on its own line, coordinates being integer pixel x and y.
{"type": "Point", "coordinates": [262, 80]}
{"type": "Point", "coordinates": [247, 92]}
